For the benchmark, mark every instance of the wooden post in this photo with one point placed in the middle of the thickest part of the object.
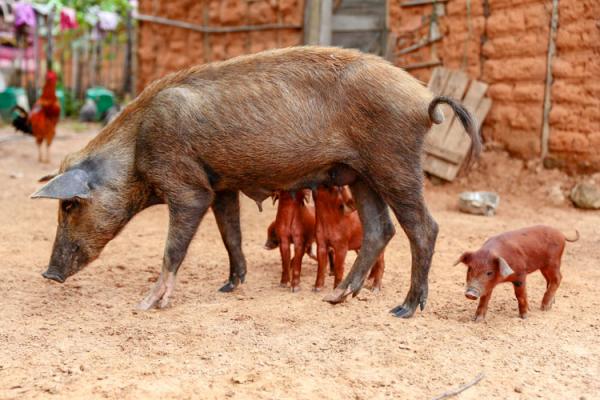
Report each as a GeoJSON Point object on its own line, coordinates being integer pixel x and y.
{"type": "Point", "coordinates": [127, 72]}
{"type": "Point", "coordinates": [317, 22]}
{"type": "Point", "coordinates": [50, 40]}
{"type": "Point", "coordinates": [548, 88]}
{"type": "Point", "coordinates": [312, 21]}
{"type": "Point", "coordinates": [325, 25]}
{"type": "Point", "coordinates": [75, 80]}
{"type": "Point", "coordinates": [36, 53]}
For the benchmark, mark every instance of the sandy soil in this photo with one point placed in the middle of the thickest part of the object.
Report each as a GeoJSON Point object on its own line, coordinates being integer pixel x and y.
{"type": "Point", "coordinates": [85, 338]}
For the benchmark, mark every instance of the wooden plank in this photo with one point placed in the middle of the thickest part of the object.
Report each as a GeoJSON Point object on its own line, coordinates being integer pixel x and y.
{"type": "Point", "coordinates": [455, 87]}
{"type": "Point", "coordinates": [438, 80]}
{"type": "Point", "coordinates": [456, 140]}
{"type": "Point", "coordinates": [412, 3]}
{"type": "Point", "coordinates": [354, 23]}
{"type": "Point", "coordinates": [444, 154]}
{"type": "Point", "coordinates": [426, 64]}
{"type": "Point", "coordinates": [479, 115]}
{"type": "Point", "coordinates": [418, 45]}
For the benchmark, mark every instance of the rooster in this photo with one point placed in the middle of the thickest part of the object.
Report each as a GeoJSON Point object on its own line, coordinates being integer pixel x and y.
{"type": "Point", "coordinates": [41, 121]}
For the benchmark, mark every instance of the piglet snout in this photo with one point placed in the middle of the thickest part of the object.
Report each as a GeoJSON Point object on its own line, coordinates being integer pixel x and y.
{"type": "Point", "coordinates": [472, 293]}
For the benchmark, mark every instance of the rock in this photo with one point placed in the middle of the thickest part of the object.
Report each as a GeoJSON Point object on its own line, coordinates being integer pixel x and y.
{"type": "Point", "coordinates": [518, 389]}
{"type": "Point", "coordinates": [556, 195]}
{"type": "Point", "coordinates": [586, 195]}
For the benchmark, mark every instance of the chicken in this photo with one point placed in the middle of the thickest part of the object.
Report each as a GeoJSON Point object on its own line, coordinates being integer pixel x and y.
{"type": "Point", "coordinates": [41, 121]}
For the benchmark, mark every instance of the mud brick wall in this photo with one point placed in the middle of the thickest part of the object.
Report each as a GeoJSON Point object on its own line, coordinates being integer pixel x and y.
{"type": "Point", "coordinates": [501, 42]}
{"type": "Point", "coordinates": [575, 114]}
{"type": "Point", "coordinates": [504, 43]}
{"type": "Point", "coordinates": [163, 49]}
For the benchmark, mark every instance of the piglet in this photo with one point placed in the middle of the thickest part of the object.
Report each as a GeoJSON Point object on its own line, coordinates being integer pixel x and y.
{"type": "Point", "coordinates": [509, 257]}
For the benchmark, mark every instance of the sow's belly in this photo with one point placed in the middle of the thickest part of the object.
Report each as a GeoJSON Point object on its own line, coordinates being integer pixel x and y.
{"type": "Point", "coordinates": [258, 188]}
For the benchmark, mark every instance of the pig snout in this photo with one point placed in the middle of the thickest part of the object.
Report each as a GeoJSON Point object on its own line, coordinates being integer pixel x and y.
{"type": "Point", "coordinates": [54, 275]}
{"type": "Point", "coordinates": [472, 293]}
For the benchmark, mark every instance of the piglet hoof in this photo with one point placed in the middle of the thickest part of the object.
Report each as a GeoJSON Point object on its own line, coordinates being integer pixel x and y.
{"type": "Point", "coordinates": [523, 316]}
{"type": "Point", "coordinates": [479, 318]}
{"type": "Point", "coordinates": [295, 289]}
{"type": "Point", "coordinates": [316, 289]}
{"type": "Point", "coordinates": [546, 307]}
{"type": "Point", "coordinates": [338, 295]}
{"type": "Point", "coordinates": [283, 285]}
{"type": "Point", "coordinates": [227, 288]}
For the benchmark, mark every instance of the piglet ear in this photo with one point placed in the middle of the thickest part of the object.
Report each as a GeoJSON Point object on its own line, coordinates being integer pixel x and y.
{"type": "Point", "coordinates": [66, 186]}
{"type": "Point", "coordinates": [505, 269]}
{"type": "Point", "coordinates": [465, 258]}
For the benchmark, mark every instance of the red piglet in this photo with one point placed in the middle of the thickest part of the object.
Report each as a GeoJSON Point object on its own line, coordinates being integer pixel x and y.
{"type": "Point", "coordinates": [509, 257]}
{"type": "Point", "coordinates": [338, 229]}
{"type": "Point", "coordinates": [294, 224]}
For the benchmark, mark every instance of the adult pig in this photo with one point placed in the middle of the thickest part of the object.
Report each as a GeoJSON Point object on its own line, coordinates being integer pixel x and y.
{"type": "Point", "coordinates": [278, 120]}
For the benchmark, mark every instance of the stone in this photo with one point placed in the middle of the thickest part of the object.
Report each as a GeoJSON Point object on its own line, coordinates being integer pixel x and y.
{"type": "Point", "coordinates": [586, 195]}
{"type": "Point", "coordinates": [555, 195]}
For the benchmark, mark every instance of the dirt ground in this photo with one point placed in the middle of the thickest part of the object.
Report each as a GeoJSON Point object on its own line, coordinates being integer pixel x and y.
{"type": "Point", "coordinates": [85, 338]}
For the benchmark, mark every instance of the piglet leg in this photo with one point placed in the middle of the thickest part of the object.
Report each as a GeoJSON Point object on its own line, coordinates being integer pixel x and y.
{"type": "Point", "coordinates": [553, 278]}
{"type": "Point", "coordinates": [377, 232]}
{"type": "Point", "coordinates": [482, 308]}
{"type": "Point", "coordinates": [521, 295]}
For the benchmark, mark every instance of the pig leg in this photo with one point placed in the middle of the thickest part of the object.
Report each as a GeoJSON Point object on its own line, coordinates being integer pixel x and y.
{"type": "Point", "coordinates": [377, 275]}
{"type": "Point", "coordinates": [521, 295]}
{"type": "Point", "coordinates": [297, 264]}
{"type": "Point", "coordinates": [284, 249]}
{"type": "Point", "coordinates": [377, 232]}
{"type": "Point", "coordinates": [482, 308]}
{"type": "Point", "coordinates": [226, 209]}
{"type": "Point", "coordinates": [410, 210]}
{"type": "Point", "coordinates": [339, 259]}
{"type": "Point", "coordinates": [322, 258]}
{"type": "Point", "coordinates": [553, 279]}
{"type": "Point", "coordinates": [186, 210]}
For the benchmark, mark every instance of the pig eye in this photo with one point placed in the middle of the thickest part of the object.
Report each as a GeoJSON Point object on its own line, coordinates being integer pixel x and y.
{"type": "Point", "coordinates": [490, 273]}
{"type": "Point", "coordinates": [68, 205]}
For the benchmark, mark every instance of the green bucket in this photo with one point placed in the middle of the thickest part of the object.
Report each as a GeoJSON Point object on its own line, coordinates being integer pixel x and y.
{"type": "Point", "coordinates": [103, 98]}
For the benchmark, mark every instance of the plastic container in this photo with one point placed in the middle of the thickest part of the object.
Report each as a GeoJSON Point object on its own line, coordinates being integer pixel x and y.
{"type": "Point", "coordinates": [103, 98]}
{"type": "Point", "coordinates": [9, 99]}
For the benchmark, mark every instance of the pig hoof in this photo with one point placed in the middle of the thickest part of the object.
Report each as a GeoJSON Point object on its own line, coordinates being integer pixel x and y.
{"type": "Point", "coordinates": [403, 311]}
{"type": "Point", "coordinates": [375, 289]}
{"type": "Point", "coordinates": [546, 307]}
{"type": "Point", "coordinates": [523, 316]}
{"type": "Point", "coordinates": [479, 318]}
{"type": "Point", "coordinates": [295, 289]}
{"type": "Point", "coordinates": [227, 288]}
{"type": "Point", "coordinates": [283, 285]}
{"type": "Point", "coordinates": [338, 295]}
{"type": "Point", "coordinates": [317, 289]}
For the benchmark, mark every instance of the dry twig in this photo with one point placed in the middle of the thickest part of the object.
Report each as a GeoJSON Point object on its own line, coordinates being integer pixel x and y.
{"type": "Point", "coordinates": [461, 389]}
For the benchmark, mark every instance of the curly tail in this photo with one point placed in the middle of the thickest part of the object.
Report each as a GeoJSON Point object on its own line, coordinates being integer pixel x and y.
{"type": "Point", "coordinates": [576, 237]}
{"type": "Point", "coordinates": [466, 119]}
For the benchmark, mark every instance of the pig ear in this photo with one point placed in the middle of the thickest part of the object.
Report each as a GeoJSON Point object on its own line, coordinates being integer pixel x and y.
{"type": "Point", "coordinates": [465, 258]}
{"type": "Point", "coordinates": [505, 269]}
{"type": "Point", "coordinates": [68, 185]}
